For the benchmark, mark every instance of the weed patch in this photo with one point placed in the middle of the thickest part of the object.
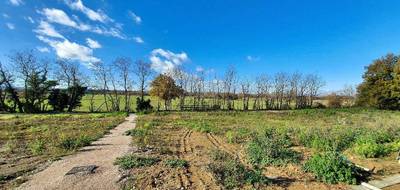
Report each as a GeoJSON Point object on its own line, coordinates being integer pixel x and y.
{"type": "Point", "coordinates": [271, 148]}
{"type": "Point", "coordinates": [332, 167]}
{"type": "Point", "coordinates": [231, 174]}
{"type": "Point", "coordinates": [176, 163]}
{"type": "Point", "coordinates": [132, 161]}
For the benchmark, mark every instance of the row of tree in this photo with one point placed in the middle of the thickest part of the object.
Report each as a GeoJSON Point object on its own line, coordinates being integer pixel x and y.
{"type": "Point", "coordinates": [38, 85]}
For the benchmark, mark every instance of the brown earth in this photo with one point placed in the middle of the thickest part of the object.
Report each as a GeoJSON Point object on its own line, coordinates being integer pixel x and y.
{"type": "Point", "coordinates": [195, 147]}
{"type": "Point", "coordinates": [101, 153]}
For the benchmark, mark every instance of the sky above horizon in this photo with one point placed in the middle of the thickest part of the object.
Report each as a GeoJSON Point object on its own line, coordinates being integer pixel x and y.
{"type": "Point", "coordinates": [334, 39]}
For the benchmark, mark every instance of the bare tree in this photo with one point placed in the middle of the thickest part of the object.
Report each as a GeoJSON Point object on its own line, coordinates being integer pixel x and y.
{"type": "Point", "coordinates": [245, 88]}
{"type": "Point", "coordinates": [102, 77]}
{"type": "Point", "coordinates": [229, 87]}
{"type": "Point", "coordinates": [315, 85]}
{"type": "Point", "coordinates": [143, 72]}
{"type": "Point", "coordinates": [124, 67]}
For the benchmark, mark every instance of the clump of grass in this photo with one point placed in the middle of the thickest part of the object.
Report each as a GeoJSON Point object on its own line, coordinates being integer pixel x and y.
{"type": "Point", "coordinates": [332, 167]}
{"type": "Point", "coordinates": [231, 174]}
{"type": "Point", "coordinates": [37, 147]}
{"type": "Point", "coordinates": [176, 163]}
{"type": "Point", "coordinates": [133, 161]}
{"type": "Point", "coordinates": [271, 148]}
{"type": "Point", "coordinates": [73, 143]}
{"type": "Point", "coordinates": [238, 135]}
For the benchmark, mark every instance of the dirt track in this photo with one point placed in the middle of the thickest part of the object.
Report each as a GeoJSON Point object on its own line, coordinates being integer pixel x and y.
{"type": "Point", "coordinates": [101, 153]}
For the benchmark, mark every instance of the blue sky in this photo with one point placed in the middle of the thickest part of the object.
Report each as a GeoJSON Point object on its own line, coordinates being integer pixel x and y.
{"type": "Point", "coordinates": [334, 39]}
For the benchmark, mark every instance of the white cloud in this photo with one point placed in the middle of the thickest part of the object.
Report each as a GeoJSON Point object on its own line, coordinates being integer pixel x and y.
{"type": "Point", "coordinates": [60, 17]}
{"type": "Point", "coordinates": [43, 49]}
{"type": "Point", "coordinates": [251, 58]}
{"type": "Point", "coordinates": [10, 26]}
{"type": "Point", "coordinates": [164, 61]}
{"type": "Point", "coordinates": [199, 69]}
{"type": "Point", "coordinates": [16, 2]}
{"type": "Point", "coordinates": [135, 17]}
{"type": "Point", "coordinates": [30, 19]}
{"type": "Point", "coordinates": [91, 14]}
{"type": "Point", "coordinates": [71, 50]}
{"type": "Point", "coordinates": [93, 43]}
{"type": "Point", "coordinates": [46, 29]}
{"type": "Point", "coordinates": [138, 40]}
{"type": "Point", "coordinates": [115, 32]}
{"type": "Point", "coordinates": [5, 15]}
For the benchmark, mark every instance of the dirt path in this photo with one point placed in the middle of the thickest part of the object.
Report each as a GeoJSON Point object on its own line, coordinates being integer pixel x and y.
{"type": "Point", "coordinates": [101, 153]}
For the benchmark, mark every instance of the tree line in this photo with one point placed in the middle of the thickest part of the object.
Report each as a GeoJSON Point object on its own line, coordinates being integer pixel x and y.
{"type": "Point", "coordinates": [34, 85]}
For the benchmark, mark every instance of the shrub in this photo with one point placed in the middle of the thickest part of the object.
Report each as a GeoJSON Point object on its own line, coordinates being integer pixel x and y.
{"type": "Point", "coordinates": [143, 106]}
{"type": "Point", "coordinates": [271, 148]}
{"type": "Point", "coordinates": [231, 174]}
{"type": "Point", "coordinates": [67, 143]}
{"type": "Point", "coordinates": [37, 147]}
{"type": "Point", "coordinates": [132, 161]}
{"type": "Point", "coordinates": [204, 127]}
{"type": "Point", "coordinates": [332, 167]}
{"type": "Point", "coordinates": [373, 145]}
{"type": "Point", "coordinates": [176, 163]}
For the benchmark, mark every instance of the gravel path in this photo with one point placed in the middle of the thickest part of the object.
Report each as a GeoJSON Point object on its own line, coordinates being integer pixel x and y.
{"type": "Point", "coordinates": [101, 153]}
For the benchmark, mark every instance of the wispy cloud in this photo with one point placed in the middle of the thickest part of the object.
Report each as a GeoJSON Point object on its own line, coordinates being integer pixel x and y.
{"type": "Point", "coordinates": [138, 40]}
{"type": "Point", "coordinates": [135, 17]}
{"type": "Point", "coordinates": [46, 29]}
{"type": "Point", "coordinates": [91, 14]}
{"type": "Point", "coordinates": [93, 43]}
{"type": "Point", "coordinates": [5, 15]}
{"type": "Point", "coordinates": [16, 2]}
{"type": "Point", "coordinates": [252, 58]}
{"type": "Point", "coordinates": [10, 26]}
{"type": "Point", "coordinates": [60, 17]}
{"type": "Point", "coordinates": [30, 19]}
{"type": "Point", "coordinates": [199, 69]}
{"type": "Point", "coordinates": [43, 49]}
{"type": "Point", "coordinates": [163, 61]}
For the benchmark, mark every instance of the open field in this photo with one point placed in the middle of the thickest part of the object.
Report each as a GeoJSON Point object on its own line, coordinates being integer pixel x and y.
{"type": "Point", "coordinates": [29, 142]}
{"type": "Point", "coordinates": [271, 149]}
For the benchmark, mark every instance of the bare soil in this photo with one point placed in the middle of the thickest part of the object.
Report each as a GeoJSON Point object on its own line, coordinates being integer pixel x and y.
{"type": "Point", "coordinates": [101, 153]}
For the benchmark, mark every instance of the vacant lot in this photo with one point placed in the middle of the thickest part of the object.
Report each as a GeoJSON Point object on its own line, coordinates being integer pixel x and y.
{"type": "Point", "coordinates": [30, 141]}
{"type": "Point", "coordinates": [272, 149]}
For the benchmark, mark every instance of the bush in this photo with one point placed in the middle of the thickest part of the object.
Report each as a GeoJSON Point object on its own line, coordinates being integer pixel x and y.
{"type": "Point", "coordinates": [373, 145]}
{"type": "Point", "coordinates": [176, 163]}
{"type": "Point", "coordinates": [271, 148]}
{"type": "Point", "coordinates": [334, 101]}
{"type": "Point", "coordinates": [67, 143]}
{"type": "Point", "coordinates": [231, 174]}
{"type": "Point", "coordinates": [132, 161]}
{"type": "Point", "coordinates": [37, 147]}
{"type": "Point", "coordinates": [143, 106]}
{"type": "Point", "coordinates": [332, 167]}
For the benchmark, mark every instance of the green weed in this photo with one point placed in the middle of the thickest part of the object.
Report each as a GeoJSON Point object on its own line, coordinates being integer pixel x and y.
{"type": "Point", "coordinates": [132, 161]}
{"type": "Point", "coordinates": [176, 163]}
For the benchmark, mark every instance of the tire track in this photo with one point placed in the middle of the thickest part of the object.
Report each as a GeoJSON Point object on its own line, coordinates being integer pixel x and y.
{"type": "Point", "coordinates": [219, 145]}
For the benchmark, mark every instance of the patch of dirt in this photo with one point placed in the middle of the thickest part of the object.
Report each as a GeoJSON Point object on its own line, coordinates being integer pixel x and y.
{"type": "Point", "coordinates": [102, 153]}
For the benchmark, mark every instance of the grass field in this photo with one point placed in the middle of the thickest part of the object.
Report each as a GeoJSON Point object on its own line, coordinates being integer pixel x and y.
{"type": "Point", "coordinates": [29, 141]}
{"type": "Point", "coordinates": [300, 149]}
{"type": "Point", "coordinates": [99, 100]}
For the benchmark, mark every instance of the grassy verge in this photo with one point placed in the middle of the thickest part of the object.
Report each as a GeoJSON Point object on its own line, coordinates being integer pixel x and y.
{"type": "Point", "coordinates": [28, 140]}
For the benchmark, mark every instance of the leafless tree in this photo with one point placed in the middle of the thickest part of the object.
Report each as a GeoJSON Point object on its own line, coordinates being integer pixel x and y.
{"type": "Point", "coordinates": [68, 72]}
{"type": "Point", "coordinates": [143, 72]}
{"type": "Point", "coordinates": [245, 93]}
{"type": "Point", "coordinates": [123, 66]}
{"type": "Point", "coordinates": [102, 77]}
{"type": "Point", "coordinates": [229, 87]}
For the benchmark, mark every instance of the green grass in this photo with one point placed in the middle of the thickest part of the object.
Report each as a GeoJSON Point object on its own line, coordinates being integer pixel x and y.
{"type": "Point", "coordinates": [133, 161]}
{"type": "Point", "coordinates": [176, 163]}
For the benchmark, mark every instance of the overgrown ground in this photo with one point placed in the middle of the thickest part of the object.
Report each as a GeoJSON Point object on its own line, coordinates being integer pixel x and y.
{"type": "Point", "coordinates": [28, 142]}
{"type": "Point", "coordinates": [273, 149]}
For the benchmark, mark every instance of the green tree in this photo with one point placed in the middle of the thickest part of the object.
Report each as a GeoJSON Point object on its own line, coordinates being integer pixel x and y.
{"type": "Point", "coordinates": [164, 87]}
{"type": "Point", "coordinates": [380, 87]}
